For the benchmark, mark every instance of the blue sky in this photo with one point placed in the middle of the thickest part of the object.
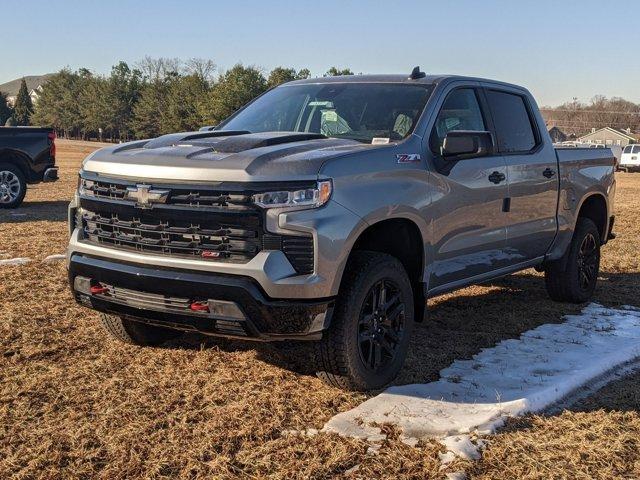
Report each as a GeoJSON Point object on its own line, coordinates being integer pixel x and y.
{"type": "Point", "coordinates": [558, 49]}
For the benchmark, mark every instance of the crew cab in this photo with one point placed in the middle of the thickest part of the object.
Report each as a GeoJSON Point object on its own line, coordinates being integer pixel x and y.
{"type": "Point", "coordinates": [27, 156]}
{"type": "Point", "coordinates": [327, 211]}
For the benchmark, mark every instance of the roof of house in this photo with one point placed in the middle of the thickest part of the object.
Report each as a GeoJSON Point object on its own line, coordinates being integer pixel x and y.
{"type": "Point", "coordinates": [622, 133]}
{"type": "Point", "coordinates": [11, 88]}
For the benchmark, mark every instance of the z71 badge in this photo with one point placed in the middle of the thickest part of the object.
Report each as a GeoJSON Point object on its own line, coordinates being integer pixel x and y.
{"type": "Point", "coordinates": [408, 157]}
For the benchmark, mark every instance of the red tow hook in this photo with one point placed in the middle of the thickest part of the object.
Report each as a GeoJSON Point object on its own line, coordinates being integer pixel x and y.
{"type": "Point", "coordinates": [199, 306]}
{"type": "Point", "coordinates": [98, 289]}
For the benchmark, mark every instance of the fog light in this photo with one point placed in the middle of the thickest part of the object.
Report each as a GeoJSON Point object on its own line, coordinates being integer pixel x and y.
{"type": "Point", "coordinates": [82, 285]}
{"type": "Point", "coordinates": [224, 309]}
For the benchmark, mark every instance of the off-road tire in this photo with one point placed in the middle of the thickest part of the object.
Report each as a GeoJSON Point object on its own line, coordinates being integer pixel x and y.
{"type": "Point", "coordinates": [7, 167]}
{"type": "Point", "coordinates": [562, 277]}
{"type": "Point", "coordinates": [136, 333]}
{"type": "Point", "coordinates": [336, 358]}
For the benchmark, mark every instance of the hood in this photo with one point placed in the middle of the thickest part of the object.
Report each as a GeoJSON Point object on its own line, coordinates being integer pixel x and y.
{"type": "Point", "coordinates": [222, 156]}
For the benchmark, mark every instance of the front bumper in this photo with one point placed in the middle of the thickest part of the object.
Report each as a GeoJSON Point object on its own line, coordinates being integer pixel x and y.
{"type": "Point", "coordinates": [265, 319]}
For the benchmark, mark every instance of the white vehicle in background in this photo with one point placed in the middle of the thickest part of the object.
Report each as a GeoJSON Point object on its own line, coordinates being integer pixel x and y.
{"type": "Point", "coordinates": [630, 158]}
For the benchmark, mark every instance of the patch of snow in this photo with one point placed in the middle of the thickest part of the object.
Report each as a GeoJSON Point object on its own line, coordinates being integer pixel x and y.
{"type": "Point", "coordinates": [54, 258]}
{"type": "Point", "coordinates": [446, 458]}
{"type": "Point", "coordinates": [516, 376]}
{"type": "Point", "coordinates": [594, 385]}
{"type": "Point", "coordinates": [15, 261]}
{"type": "Point", "coordinates": [352, 470]}
{"type": "Point", "coordinates": [461, 446]}
{"type": "Point", "coordinates": [456, 476]}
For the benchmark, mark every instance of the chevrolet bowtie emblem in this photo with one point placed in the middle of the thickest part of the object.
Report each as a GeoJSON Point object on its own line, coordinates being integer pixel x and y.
{"type": "Point", "coordinates": [145, 197]}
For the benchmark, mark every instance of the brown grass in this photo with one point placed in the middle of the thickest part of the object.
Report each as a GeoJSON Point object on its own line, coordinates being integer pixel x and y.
{"type": "Point", "coordinates": [75, 404]}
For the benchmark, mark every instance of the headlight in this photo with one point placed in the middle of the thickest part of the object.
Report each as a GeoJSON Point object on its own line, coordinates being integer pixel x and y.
{"type": "Point", "coordinates": [308, 197]}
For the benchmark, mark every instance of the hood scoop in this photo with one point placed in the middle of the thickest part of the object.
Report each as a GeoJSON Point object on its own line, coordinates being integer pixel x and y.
{"type": "Point", "coordinates": [241, 143]}
{"type": "Point", "coordinates": [174, 138]}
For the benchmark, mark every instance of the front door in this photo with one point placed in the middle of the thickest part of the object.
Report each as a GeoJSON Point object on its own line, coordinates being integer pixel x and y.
{"type": "Point", "coordinates": [468, 222]}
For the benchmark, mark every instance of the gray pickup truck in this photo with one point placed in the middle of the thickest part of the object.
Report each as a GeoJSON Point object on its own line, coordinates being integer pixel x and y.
{"type": "Point", "coordinates": [328, 210]}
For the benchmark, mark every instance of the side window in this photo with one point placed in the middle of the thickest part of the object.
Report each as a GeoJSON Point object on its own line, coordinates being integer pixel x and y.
{"type": "Point", "coordinates": [460, 111]}
{"type": "Point", "coordinates": [627, 149]}
{"type": "Point", "coordinates": [636, 149]}
{"type": "Point", "coordinates": [512, 122]}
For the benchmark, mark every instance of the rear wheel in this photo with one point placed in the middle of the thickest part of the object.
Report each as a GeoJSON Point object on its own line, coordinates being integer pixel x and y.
{"type": "Point", "coordinates": [367, 342]}
{"type": "Point", "coordinates": [13, 186]}
{"type": "Point", "coordinates": [136, 333]}
{"type": "Point", "coordinates": [577, 281]}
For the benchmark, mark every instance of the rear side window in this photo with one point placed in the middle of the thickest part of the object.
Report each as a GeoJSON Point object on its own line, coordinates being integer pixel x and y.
{"type": "Point", "coordinates": [514, 130]}
{"type": "Point", "coordinates": [636, 149]}
{"type": "Point", "coordinates": [627, 149]}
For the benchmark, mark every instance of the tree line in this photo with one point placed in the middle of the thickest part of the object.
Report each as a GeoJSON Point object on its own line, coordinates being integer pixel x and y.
{"type": "Point", "coordinates": [154, 97]}
{"type": "Point", "coordinates": [165, 95]}
{"type": "Point", "coordinates": [579, 118]}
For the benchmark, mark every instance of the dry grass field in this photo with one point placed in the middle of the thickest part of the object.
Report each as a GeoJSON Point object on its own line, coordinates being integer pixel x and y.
{"type": "Point", "coordinates": [75, 404]}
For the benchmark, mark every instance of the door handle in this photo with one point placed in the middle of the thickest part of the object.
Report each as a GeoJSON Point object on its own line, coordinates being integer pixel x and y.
{"type": "Point", "coordinates": [548, 173]}
{"type": "Point", "coordinates": [497, 177]}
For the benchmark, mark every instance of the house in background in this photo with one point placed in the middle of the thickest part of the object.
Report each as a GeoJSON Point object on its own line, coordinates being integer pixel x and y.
{"type": "Point", "coordinates": [557, 135]}
{"type": "Point", "coordinates": [34, 83]}
{"type": "Point", "coordinates": [609, 136]}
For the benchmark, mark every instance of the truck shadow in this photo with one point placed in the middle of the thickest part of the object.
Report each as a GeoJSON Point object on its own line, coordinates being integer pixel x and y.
{"type": "Point", "coordinates": [52, 211]}
{"type": "Point", "coordinates": [458, 325]}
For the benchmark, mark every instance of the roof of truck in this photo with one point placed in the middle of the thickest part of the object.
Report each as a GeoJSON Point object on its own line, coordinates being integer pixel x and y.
{"type": "Point", "coordinates": [394, 78]}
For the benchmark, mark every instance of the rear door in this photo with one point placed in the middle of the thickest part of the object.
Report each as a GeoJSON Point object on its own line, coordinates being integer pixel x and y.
{"type": "Point", "coordinates": [468, 225]}
{"type": "Point", "coordinates": [532, 173]}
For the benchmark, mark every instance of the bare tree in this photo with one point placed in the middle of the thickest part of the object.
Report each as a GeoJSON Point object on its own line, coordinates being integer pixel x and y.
{"type": "Point", "coordinates": [201, 67]}
{"type": "Point", "coordinates": [155, 69]}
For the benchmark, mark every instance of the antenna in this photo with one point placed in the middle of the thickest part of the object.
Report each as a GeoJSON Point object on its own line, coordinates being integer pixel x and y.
{"type": "Point", "coordinates": [416, 74]}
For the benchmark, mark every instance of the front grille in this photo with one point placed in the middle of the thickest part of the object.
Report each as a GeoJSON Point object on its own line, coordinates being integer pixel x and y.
{"type": "Point", "coordinates": [210, 237]}
{"type": "Point", "coordinates": [207, 224]}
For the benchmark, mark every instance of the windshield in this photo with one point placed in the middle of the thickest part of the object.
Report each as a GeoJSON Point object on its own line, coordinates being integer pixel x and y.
{"type": "Point", "coordinates": [359, 111]}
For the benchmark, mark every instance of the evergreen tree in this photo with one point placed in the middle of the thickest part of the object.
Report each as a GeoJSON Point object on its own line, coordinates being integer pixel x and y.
{"type": "Point", "coordinates": [186, 104]}
{"type": "Point", "coordinates": [122, 93]}
{"type": "Point", "coordinates": [148, 112]}
{"type": "Point", "coordinates": [234, 89]}
{"type": "Point", "coordinates": [59, 103]}
{"type": "Point", "coordinates": [280, 75]}
{"type": "Point", "coordinates": [24, 107]}
{"type": "Point", "coordinates": [334, 72]}
{"type": "Point", "coordinates": [5, 110]}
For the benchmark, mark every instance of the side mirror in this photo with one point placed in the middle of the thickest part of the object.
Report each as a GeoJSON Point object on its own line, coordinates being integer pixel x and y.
{"type": "Point", "coordinates": [208, 128]}
{"type": "Point", "coordinates": [467, 144]}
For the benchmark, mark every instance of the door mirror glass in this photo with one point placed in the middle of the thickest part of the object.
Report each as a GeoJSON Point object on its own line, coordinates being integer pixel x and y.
{"type": "Point", "coordinates": [466, 144]}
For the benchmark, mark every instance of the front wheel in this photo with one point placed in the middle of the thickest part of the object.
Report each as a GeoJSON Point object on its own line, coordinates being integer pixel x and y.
{"type": "Point", "coordinates": [13, 186]}
{"type": "Point", "coordinates": [368, 339]}
{"type": "Point", "coordinates": [576, 282]}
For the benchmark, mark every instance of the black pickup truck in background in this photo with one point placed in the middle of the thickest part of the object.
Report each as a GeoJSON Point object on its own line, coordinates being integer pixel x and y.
{"type": "Point", "coordinates": [27, 156]}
